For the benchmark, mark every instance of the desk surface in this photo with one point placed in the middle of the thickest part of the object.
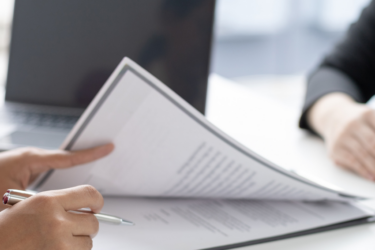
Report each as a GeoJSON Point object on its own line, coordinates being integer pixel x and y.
{"type": "Point", "coordinates": [270, 129]}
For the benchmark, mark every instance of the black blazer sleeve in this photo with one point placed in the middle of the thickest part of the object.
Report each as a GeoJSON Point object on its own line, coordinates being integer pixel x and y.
{"type": "Point", "coordinates": [349, 68]}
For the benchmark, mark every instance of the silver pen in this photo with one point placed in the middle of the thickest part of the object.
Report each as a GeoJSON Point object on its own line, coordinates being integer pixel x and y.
{"type": "Point", "coordinates": [13, 196]}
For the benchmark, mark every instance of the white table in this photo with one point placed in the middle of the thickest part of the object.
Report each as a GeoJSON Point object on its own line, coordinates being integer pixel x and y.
{"type": "Point", "coordinates": [270, 129]}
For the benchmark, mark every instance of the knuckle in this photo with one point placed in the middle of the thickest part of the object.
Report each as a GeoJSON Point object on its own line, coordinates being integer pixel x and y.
{"type": "Point", "coordinates": [92, 223]}
{"type": "Point", "coordinates": [92, 193]}
{"type": "Point", "coordinates": [88, 243]}
{"type": "Point", "coordinates": [95, 224]}
{"type": "Point", "coordinates": [56, 228]}
{"type": "Point", "coordinates": [342, 137]}
{"type": "Point", "coordinates": [342, 166]}
{"type": "Point", "coordinates": [67, 157]}
{"type": "Point", "coordinates": [333, 156]}
{"type": "Point", "coordinates": [71, 161]}
{"type": "Point", "coordinates": [30, 153]}
{"type": "Point", "coordinates": [44, 201]}
{"type": "Point", "coordinates": [367, 113]}
{"type": "Point", "coordinates": [336, 160]}
{"type": "Point", "coordinates": [62, 245]}
{"type": "Point", "coordinates": [338, 163]}
{"type": "Point", "coordinates": [353, 125]}
{"type": "Point", "coordinates": [57, 225]}
{"type": "Point", "coordinates": [339, 160]}
{"type": "Point", "coordinates": [335, 149]}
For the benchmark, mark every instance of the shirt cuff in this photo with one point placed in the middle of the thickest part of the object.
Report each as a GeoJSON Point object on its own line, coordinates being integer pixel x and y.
{"type": "Point", "coordinates": [323, 81]}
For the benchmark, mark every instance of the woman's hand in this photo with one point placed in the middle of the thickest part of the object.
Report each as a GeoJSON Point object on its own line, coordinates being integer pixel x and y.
{"type": "Point", "coordinates": [42, 222]}
{"type": "Point", "coordinates": [348, 129]}
{"type": "Point", "coordinates": [18, 168]}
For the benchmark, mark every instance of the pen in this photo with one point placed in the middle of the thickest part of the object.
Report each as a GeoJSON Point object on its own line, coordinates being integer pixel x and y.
{"type": "Point", "coordinates": [13, 196]}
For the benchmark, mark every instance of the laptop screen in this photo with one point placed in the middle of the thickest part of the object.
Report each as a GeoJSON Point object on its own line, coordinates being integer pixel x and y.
{"type": "Point", "coordinates": [62, 51]}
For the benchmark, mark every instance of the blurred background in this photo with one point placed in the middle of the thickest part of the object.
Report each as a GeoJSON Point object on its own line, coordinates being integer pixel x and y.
{"type": "Point", "coordinates": [278, 36]}
{"type": "Point", "coordinates": [267, 45]}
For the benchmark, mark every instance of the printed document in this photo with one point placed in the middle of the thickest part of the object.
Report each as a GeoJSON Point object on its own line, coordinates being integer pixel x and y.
{"type": "Point", "coordinates": [183, 224]}
{"type": "Point", "coordinates": [166, 150]}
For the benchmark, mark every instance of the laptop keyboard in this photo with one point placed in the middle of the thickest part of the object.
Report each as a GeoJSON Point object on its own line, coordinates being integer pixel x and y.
{"type": "Point", "coordinates": [42, 120]}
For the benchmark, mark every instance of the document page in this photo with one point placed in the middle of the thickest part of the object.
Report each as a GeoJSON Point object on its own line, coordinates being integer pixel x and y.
{"type": "Point", "coordinates": [165, 148]}
{"type": "Point", "coordinates": [183, 224]}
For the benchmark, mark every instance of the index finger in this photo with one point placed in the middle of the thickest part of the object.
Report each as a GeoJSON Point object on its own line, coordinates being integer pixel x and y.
{"type": "Point", "coordinates": [44, 160]}
{"type": "Point", "coordinates": [85, 196]}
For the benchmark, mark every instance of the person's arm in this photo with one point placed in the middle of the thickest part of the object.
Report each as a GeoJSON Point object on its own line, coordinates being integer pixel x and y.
{"type": "Point", "coordinates": [42, 221]}
{"type": "Point", "coordinates": [335, 92]}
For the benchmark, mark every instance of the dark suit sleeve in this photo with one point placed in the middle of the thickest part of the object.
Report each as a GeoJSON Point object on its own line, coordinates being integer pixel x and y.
{"type": "Point", "coordinates": [349, 68]}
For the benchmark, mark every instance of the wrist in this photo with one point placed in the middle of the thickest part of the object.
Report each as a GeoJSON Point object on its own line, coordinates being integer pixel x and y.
{"type": "Point", "coordinates": [329, 112]}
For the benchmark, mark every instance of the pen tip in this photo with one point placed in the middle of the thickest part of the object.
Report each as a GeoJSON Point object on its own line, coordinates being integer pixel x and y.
{"type": "Point", "coordinates": [127, 223]}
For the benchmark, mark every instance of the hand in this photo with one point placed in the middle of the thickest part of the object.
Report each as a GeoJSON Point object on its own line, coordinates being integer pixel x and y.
{"type": "Point", "coordinates": [42, 222]}
{"type": "Point", "coordinates": [18, 168]}
{"type": "Point", "coordinates": [349, 131]}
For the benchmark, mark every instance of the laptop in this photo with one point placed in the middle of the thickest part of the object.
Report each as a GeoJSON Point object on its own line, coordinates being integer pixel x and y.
{"type": "Point", "coordinates": [62, 52]}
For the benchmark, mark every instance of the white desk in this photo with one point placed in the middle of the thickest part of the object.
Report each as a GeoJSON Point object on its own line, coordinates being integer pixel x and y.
{"type": "Point", "coordinates": [270, 129]}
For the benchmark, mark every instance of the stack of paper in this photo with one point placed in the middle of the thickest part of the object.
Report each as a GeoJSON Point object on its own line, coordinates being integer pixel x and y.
{"type": "Point", "coordinates": [185, 183]}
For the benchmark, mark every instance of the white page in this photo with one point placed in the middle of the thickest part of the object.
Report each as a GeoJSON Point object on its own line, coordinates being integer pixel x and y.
{"type": "Point", "coordinates": [164, 147]}
{"type": "Point", "coordinates": [170, 224]}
